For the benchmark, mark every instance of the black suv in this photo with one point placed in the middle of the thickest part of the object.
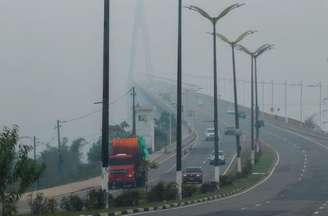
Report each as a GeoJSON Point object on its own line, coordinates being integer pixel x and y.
{"type": "Point", "coordinates": [193, 175]}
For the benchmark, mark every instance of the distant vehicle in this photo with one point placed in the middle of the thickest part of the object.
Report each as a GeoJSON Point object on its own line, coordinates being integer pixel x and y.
{"type": "Point", "coordinates": [210, 134]}
{"type": "Point", "coordinates": [229, 131]}
{"type": "Point", "coordinates": [259, 123]}
{"type": "Point", "coordinates": [240, 114]}
{"type": "Point", "coordinates": [193, 175]}
{"type": "Point", "coordinates": [221, 158]}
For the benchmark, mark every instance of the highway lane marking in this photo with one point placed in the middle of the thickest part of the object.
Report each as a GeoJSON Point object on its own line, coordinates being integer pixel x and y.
{"type": "Point", "coordinates": [230, 164]}
{"type": "Point", "coordinates": [225, 198]}
{"type": "Point", "coordinates": [316, 212]}
{"type": "Point", "coordinates": [299, 135]}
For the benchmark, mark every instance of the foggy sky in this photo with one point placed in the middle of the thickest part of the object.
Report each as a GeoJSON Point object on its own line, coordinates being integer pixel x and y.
{"type": "Point", "coordinates": [51, 54]}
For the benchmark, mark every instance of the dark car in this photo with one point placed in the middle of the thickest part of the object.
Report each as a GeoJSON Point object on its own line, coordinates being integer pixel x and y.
{"type": "Point", "coordinates": [193, 175]}
{"type": "Point", "coordinates": [229, 131]}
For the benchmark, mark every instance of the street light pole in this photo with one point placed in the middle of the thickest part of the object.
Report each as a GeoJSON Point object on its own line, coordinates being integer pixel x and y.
{"type": "Point", "coordinates": [105, 104]}
{"type": "Point", "coordinates": [252, 113]}
{"type": "Point", "coordinates": [301, 101]}
{"type": "Point", "coordinates": [133, 111]}
{"type": "Point", "coordinates": [320, 104]}
{"type": "Point", "coordinates": [286, 96]}
{"type": "Point", "coordinates": [179, 105]}
{"type": "Point", "coordinates": [214, 21]}
{"type": "Point", "coordinates": [237, 130]}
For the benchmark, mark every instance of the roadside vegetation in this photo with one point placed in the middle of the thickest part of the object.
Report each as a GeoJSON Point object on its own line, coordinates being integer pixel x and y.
{"type": "Point", "coordinates": [165, 193]}
{"type": "Point", "coordinates": [17, 170]}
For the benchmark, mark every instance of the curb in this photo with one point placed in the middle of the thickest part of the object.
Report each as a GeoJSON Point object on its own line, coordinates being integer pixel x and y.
{"type": "Point", "coordinates": [207, 199]}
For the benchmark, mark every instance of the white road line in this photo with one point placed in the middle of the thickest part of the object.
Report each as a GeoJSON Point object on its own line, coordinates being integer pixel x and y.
{"type": "Point", "coordinates": [316, 212]}
{"type": "Point", "coordinates": [230, 164]}
{"type": "Point", "coordinates": [225, 198]}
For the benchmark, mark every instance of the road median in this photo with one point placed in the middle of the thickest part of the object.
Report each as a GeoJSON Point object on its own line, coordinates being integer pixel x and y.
{"type": "Point", "coordinates": [233, 187]}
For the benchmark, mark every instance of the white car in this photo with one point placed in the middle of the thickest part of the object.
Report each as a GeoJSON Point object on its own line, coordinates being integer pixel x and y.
{"type": "Point", "coordinates": [210, 134]}
{"type": "Point", "coordinates": [221, 158]}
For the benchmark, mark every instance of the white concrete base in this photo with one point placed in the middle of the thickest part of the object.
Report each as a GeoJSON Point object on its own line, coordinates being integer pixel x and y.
{"type": "Point", "coordinates": [179, 184]}
{"type": "Point", "coordinates": [257, 145]}
{"type": "Point", "coordinates": [104, 182]}
{"type": "Point", "coordinates": [239, 169]}
{"type": "Point", "coordinates": [217, 174]}
{"type": "Point", "coordinates": [253, 157]}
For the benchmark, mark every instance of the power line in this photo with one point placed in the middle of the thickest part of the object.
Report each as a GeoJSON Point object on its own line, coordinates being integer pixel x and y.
{"type": "Point", "coordinates": [97, 111]}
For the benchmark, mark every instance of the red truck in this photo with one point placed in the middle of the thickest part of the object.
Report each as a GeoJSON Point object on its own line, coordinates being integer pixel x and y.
{"type": "Point", "coordinates": [127, 163]}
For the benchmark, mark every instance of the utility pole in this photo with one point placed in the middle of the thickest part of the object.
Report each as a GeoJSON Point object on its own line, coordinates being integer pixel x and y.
{"type": "Point", "coordinates": [301, 101]}
{"type": "Point", "coordinates": [263, 102]}
{"type": "Point", "coordinates": [320, 104]}
{"type": "Point", "coordinates": [59, 148]}
{"type": "Point", "coordinates": [133, 111]}
{"type": "Point", "coordinates": [272, 96]}
{"type": "Point", "coordinates": [105, 104]}
{"type": "Point", "coordinates": [252, 113]}
{"type": "Point", "coordinates": [286, 86]}
{"type": "Point", "coordinates": [179, 105]}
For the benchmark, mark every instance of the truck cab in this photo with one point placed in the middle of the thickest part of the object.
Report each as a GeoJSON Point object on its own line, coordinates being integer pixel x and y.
{"type": "Point", "coordinates": [121, 171]}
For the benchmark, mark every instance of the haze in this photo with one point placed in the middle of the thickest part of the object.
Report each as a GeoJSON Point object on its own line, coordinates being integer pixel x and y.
{"type": "Point", "coordinates": [51, 55]}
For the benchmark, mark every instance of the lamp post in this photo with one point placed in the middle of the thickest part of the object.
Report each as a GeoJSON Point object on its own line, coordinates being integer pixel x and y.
{"type": "Point", "coordinates": [105, 104]}
{"type": "Point", "coordinates": [262, 49]}
{"type": "Point", "coordinates": [179, 104]}
{"type": "Point", "coordinates": [233, 45]}
{"type": "Point", "coordinates": [251, 54]}
{"type": "Point", "coordinates": [214, 21]}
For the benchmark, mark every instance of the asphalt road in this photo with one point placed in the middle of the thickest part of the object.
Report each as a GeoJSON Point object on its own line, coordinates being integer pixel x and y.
{"type": "Point", "coordinates": [297, 187]}
{"type": "Point", "coordinates": [198, 157]}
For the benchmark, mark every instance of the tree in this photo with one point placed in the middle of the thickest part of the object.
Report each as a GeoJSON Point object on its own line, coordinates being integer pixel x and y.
{"type": "Point", "coordinates": [71, 165]}
{"type": "Point", "coordinates": [17, 170]}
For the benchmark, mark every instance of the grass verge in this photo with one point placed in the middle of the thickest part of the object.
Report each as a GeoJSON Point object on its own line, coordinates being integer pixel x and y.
{"type": "Point", "coordinates": [260, 171]}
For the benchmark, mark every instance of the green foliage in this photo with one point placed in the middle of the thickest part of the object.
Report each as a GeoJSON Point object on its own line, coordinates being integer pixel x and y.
{"type": "Point", "coordinates": [71, 203]}
{"type": "Point", "coordinates": [128, 198]}
{"type": "Point", "coordinates": [162, 191]}
{"type": "Point", "coordinates": [189, 190]}
{"type": "Point", "coordinates": [42, 205]}
{"type": "Point", "coordinates": [96, 199]}
{"type": "Point", "coordinates": [65, 166]}
{"type": "Point", "coordinates": [17, 170]}
{"type": "Point", "coordinates": [209, 187]}
{"type": "Point", "coordinates": [226, 180]}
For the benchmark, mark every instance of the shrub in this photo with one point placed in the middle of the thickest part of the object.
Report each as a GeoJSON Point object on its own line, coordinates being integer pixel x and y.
{"type": "Point", "coordinates": [41, 205]}
{"type": "Point", "coordinates": [171, 191]}
{"type": "Point", "coordinates": [128, 198]}
{"type": "Point", "coordinates": [209, 187]}
{"type": "Point", "coordinates": [156, 193]}
{"type": "Point", "coordinates": [162, 191]}
{"type": "Point", "coordinates": [189, 190]}
{"type": "Point", "coordinates": [52, 205]}
{"type": "Point", "coordinates": [96, 199]}
{"type": "Point", "coordinates": [71, 203]}
{"type": "Point", "coordinates": [226, 180]}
